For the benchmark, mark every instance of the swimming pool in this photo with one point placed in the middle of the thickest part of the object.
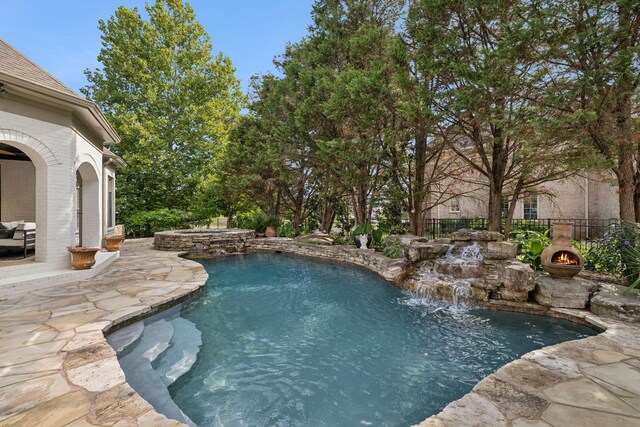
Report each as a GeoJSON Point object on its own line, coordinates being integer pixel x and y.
{"type": "Point", "coordinates": [288, 340]}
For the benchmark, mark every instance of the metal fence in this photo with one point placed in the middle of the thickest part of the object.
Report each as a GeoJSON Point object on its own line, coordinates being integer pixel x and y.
{"type": "Point", "coordinates": [586, 232]}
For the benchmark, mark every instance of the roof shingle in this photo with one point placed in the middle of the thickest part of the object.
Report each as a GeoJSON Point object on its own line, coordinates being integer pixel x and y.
{"type": "Point", "coordinates": [15, 64]}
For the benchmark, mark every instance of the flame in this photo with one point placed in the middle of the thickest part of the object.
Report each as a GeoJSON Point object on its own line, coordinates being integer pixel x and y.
{"type": "Point", "coordinates": [564, 259]}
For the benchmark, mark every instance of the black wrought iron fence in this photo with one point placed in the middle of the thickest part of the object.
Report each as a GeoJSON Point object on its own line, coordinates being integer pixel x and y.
{"type": "Point", "coordinates": [586, 232]}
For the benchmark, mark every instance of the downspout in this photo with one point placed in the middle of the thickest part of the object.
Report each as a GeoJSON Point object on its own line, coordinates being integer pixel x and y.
{"type": "Point", "coordinates": [586, 203]}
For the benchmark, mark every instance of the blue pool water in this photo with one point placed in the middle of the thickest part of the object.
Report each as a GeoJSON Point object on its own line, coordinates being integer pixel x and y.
{"type": "Point", "coordinates": [289, 341]}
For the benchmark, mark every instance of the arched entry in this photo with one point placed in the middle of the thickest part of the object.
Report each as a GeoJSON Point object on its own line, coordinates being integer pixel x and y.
{"type": "Point", "coordinates": [88, 215]}
{"type": "Point", "coordinates": [33, 176]}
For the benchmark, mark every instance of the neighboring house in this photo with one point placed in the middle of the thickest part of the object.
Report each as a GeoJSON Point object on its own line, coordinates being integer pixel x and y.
{"type": "Point", "coordinates": [588, 197]}
{"type": "Point", "coordinates": [55, 169]}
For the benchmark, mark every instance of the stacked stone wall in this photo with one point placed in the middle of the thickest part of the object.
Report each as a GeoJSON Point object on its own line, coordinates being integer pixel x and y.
{"type": "Point", "coordinates": [198, 243]}
{"type": "Point", "coordinates": [392, 270]}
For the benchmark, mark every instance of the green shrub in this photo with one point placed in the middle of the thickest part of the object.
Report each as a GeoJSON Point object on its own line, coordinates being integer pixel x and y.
{"type": "Point", "coordinates": [254, 219]}
{"type": "Point", "coordinates": [531, 243]}
{"type": "Point", "coordinates": [145, 223]}
{"type": "Point", "coordinates": [286, 230]}
{"type": "Point", "coordinates": [393, 249]}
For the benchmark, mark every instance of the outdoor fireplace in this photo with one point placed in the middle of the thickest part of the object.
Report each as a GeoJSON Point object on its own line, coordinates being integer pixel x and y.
{"type": "Point", "coordinates": [561, 259]}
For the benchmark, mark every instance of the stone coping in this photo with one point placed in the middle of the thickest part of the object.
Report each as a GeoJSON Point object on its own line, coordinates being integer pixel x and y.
{"type": "Point", "coordinates": [56, 367]}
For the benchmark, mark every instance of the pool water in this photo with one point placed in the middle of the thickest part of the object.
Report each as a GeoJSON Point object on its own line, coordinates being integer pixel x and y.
{"type": "Point", "coordinates": [290, 341]}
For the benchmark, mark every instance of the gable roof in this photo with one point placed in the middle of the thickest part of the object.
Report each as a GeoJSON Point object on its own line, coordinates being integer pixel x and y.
{"type": "Point", "coordinates": [17, 65]}
{"type": "Point", "coordinates": [22, 77]}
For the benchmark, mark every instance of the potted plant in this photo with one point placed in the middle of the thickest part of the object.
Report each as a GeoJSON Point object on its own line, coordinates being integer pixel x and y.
{"type": "Point", "coordinates": [82, 258]}
{"type": "Point", "coordinates": [112, 243]}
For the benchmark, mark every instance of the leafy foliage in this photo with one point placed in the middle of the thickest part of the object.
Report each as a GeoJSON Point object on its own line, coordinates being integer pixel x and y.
{"type": "Point", "coordinates": [169, 98]}
{"type": "Point", "coordinates": [618, 253]}
{"type": "Point", "coordinates": [378, 232]}
{"type": "Point", "coordinates": [145, 223]}
{"type": "Point", "coordinates": [532, 243]}
{"type": "Point", "coordinates": [393, 249]}
{"type": "Point", "coordinates": [286, 230]}
{"type": "Point", "coordinates": [254, 219]}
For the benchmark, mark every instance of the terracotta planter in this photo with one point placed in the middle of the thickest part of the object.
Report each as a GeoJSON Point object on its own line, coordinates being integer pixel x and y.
{"type": "Point", "coordinates": [82, 258]}
{"type": "Point", "coordinates": [270, 232]}
{"type": "Point", "coordinates": [112, 244]}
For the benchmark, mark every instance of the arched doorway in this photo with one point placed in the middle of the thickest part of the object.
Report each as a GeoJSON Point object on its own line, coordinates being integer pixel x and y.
{"type": "Point", "coordinates": [88, 216]}
{"type": "Point", "coordinates": [17, 191]}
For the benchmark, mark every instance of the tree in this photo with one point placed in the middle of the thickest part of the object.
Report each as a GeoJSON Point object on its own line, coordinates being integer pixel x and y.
{"type": "Point", "coordinates": [593, 74]}
{"type": "Point", "coordinates": [170, 100]}
{"type": "Point", "coordinates": [347, 54]}
{"type": "Point", "coordinates": [483, 54]}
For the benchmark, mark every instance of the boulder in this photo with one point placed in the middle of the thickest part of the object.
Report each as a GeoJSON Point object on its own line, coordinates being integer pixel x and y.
{"type": "Point", "coordinates": [315, 239]}
{"type": "Point", "coordinates": [404, 239]}
{"type": "Point", "coordinates": [423, 251]}
{"type": "Point", "coordinates": [624, 307]}
{"type": "Point", "coordinates": [482, 236]}
{"type": "Point", "coordinates": [501, 250]}
{"type": "Point", "coordinates": [518, 280]}
{"type": "Point", "coordinates": [564, 293]}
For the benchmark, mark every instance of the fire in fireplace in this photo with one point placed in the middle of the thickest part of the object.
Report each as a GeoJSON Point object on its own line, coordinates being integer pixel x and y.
{"type": "Point", "coordinates": [565, 258]}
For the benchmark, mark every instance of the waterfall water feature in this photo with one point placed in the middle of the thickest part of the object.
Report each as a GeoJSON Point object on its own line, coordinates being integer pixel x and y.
{"type": "Point", "coordinates": [450, 277]}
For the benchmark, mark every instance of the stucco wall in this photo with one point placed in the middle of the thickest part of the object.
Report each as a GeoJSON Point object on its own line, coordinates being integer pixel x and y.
{"type": "Point", "coordinates": [17, 191]}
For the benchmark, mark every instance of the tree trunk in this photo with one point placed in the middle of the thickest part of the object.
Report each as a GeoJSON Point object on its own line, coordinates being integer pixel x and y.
{"type": "Point", "coordinates": [626, 188]}
{"type": "Point", "coordinates": [417, 216]}
{"type": "Point", "coordinates": [512, 207]}
{"type": "Point", "coordinates": [360, 210]}
{"type": "Point", "coordinates": [495, 208]}
{"type": "Point", "coordinates": [328, 216]}
{"type": "Point", "coordinates": [230, 213]}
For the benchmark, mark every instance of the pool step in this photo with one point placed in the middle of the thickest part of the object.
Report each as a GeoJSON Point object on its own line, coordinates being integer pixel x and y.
{"type": "Point", "coordinates": [155, 340]}
{"type": "Point", "coordinates": [182, 353]}
{"type": "Point", "coordinates": [147, 383]}
{"type": "Point", "coordinates": [125, 337]}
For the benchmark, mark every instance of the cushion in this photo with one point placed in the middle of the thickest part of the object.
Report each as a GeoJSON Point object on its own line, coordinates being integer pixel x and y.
{"type": "Point", "coordinates": [8, 225]}
{"type": "Point", "coordinates": [10, 243]}
{"type": "Point", "coordinates": [21, 228]}
{"type": "Point", "coordinates": [6, 234]}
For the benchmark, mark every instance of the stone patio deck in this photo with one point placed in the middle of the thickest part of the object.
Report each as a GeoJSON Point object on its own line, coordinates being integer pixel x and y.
{"type": "Point", "coordinates": [56, 368]}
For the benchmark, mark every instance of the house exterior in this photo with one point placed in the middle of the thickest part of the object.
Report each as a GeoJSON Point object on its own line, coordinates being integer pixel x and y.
{"type": "Point", "coordinates": [590, 196]}
{"type": "Point", "coordinates": [55, 167]}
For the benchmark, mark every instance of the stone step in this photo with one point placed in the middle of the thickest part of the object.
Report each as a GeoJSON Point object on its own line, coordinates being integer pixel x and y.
{"type": "Point", "coordinates": [146, 382]}
{"type": "Point", "coordinates": [182, 353]}
{"type": "Point", "coordinates": [125, 337]}
{"type": "Point", "coordinates": [154, 341]}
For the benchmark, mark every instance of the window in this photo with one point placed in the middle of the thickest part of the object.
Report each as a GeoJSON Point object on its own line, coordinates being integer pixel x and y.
{"type": "Point", "coordinates": [454, 205]}
{"type": "Point", "coordinates": [111, 202]}
{"type": "Point", "coordinates": [531, 206]}
{"type": "Point", "coordinates": [504, 208]}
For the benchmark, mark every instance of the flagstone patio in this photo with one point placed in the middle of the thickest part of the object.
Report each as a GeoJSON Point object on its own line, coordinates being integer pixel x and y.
{"type": "Point", "coordinates": [56, 368]}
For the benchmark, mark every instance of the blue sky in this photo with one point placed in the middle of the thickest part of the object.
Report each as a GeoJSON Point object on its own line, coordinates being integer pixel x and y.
{"type": "Point", "coordinates": [62, 36]}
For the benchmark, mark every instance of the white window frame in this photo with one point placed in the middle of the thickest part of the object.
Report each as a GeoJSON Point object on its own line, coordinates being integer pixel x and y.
{"type": "Point", "coordinates": [454, 205]}
{"type": "Point", "coordinates": [526, 201]}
